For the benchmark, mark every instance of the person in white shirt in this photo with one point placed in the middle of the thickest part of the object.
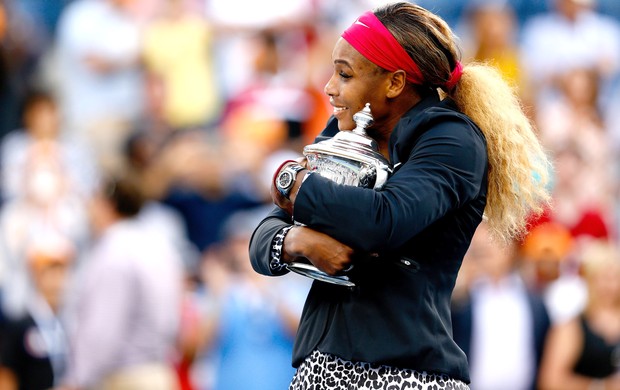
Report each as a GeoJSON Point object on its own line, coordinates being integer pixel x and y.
{"type": "Point", "coordinates": [501, 325]}
{"type": "Point", "coordinates": [571, 36]}
{"type": "Point", "coordinates": [100, 78]}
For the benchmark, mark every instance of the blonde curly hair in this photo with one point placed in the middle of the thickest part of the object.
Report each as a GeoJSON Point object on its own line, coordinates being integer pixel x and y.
{"type": "Point", "coordinates": [518, 166]}
{"type": "Point", "coordinates": [519, 169]}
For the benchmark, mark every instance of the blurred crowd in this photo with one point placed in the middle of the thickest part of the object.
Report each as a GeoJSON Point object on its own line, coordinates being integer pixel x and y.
{"type": "Point", "coordinates": [138, 141]}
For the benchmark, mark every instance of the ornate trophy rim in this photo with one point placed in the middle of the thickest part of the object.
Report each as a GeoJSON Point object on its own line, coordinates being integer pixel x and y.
{"type": "Point", "coordinates": [316, 148]}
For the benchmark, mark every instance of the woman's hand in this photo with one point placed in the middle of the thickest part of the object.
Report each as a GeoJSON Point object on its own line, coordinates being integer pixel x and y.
{"type": "Point", "coordinates": [326, 253]}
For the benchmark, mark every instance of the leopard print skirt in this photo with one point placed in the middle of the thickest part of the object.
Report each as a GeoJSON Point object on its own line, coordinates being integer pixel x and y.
{"type": "Point", "coordinates": [322, 371]}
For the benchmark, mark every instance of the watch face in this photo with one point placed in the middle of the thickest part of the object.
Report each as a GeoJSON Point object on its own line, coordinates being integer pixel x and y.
{"type": "Point", "coordinates": [285, 179]}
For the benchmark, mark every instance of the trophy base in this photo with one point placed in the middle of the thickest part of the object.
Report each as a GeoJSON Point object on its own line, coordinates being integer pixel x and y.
{"type": "Point", "coordinates": [311, 271]}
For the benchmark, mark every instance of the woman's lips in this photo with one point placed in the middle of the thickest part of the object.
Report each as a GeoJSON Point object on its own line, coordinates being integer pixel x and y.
{"type": "Point", "coordinates": [338, 111]}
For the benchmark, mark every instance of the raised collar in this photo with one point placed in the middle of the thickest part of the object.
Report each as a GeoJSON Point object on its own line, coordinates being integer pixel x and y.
{"type": "Point", "coordinates": [403, 133]}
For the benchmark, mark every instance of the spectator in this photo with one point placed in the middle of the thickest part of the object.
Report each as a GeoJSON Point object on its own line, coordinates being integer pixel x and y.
{"type": "Point", "coordinates": [178, 57]}
{"type": "Point", "coordinates": [583, 353]}
{"type": "Point", "coordinates": [47, 205]}
{"type": "Point", "coordinates": [20, 48]}
{"type": "Point", "coordinates": [100, 77]}
{"type": "Point", "coordinates": [551, 270]}
{"type": "Point", "coordinates": [572, 35]}
{"type": "Point", "coordinates": [574, 115]}
{"type": "Point", "coordinates": [125, 317]}
{"type": "Point", "coordinates": [200, 183]}
{"type": "Point", "coordinates": [579, 200]}
{"type": "Point", "coordinates": [33, 348]}
{"type": "Point", "coordinates": [144, 168]}
{"type": "Point", "coordinates": [494, 36]}
{"type": "Point", "coordinates": [250, 322]}
{"type": "Point", "coordinates": [234, 47]}
{"type": "Point", "coordinates": [42, 125]}
{"type": "Point", "coordinates": [44, 182]}
{"type": "Point", "coordinates": [193, 173]}
{"type": "Point", "coordinates": [500, 325]}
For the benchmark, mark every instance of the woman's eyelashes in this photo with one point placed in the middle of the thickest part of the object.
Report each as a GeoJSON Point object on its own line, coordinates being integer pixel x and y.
{"type": "Point", "coordinates": [344, 75]}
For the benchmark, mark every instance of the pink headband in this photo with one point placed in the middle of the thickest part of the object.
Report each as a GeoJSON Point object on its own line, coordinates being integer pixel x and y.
{"type": "Point", "coordinates": [375, 42]}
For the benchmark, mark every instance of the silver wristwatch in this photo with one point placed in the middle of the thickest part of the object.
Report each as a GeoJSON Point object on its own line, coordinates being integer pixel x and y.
{"type": "Point", "coordinates": [286, 179]}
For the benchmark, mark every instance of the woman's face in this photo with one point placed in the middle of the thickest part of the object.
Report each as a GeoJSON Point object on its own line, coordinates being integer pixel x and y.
{"type": "Point", "coordinates": [42, 120]}
{"type": "Point", "coordinates": [605, 283]}
{"type": "Point", "coordinates": [355, 82]}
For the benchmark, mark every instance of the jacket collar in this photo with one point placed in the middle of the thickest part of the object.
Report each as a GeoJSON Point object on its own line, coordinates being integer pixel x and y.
{"type": "Point", "coordinates": [404, 132]}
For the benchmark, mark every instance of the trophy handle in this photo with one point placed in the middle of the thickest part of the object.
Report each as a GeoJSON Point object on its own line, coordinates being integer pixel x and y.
{"type": "Point", "coordinates": [313, 272]}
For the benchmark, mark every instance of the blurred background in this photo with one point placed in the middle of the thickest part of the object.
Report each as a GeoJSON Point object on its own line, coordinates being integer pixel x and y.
{"type": "Point", "coordinates": [195, 103]}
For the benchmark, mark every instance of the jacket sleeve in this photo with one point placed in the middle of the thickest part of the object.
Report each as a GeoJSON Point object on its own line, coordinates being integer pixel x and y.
{"type": "Point", "coordinates": [444, 171]}
{"type": "Point", "coordinates": [262, 238]}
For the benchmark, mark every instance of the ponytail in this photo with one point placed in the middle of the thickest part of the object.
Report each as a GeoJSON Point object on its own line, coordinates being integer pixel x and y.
{"type": "Point", "coordinates": [518, 166]}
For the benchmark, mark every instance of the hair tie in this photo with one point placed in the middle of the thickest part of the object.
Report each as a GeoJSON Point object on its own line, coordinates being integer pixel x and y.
{"type": "Point", "coordinates": [455, 76]}
{"type": "Point", "coordinates": [375, 42]}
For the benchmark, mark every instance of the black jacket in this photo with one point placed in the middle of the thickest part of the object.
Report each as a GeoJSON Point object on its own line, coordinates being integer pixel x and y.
{"type": "Point", "coordinates": [421, 224]}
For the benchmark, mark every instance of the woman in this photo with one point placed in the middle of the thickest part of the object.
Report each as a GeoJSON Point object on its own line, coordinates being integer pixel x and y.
{"type": "Point", "coordinates": [451, 158]}
{"type": "Point", "coordinates": [584, 353]}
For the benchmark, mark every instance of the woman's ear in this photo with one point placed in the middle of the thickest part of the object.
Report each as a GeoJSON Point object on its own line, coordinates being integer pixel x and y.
{"type": "Point", "coordinates": [397, 81]}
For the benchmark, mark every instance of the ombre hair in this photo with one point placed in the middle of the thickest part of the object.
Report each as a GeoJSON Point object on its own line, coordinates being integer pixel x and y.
{"type": "Point", "coordinates": [519, 169]}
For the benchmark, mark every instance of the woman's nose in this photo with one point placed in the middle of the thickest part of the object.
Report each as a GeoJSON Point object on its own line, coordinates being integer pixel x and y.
{"type": "Point", "coordinates": [329, 88]}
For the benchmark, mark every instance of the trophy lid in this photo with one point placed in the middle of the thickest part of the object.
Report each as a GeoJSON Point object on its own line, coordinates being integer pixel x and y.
{"type": "Point", "coordinates": [363, 119]}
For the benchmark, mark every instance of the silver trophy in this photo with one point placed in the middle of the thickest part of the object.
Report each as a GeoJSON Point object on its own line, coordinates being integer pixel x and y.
{"type": "Point", "coordinates": [349, 158]}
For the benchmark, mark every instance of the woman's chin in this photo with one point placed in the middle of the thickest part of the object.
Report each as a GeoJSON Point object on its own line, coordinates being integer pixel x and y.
{"type": "Point", "coordinates": [346, 125]}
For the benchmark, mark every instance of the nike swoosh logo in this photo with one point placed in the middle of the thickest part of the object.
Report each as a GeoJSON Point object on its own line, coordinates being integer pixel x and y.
{"type": "Point", "coordinates": [360, 23]}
